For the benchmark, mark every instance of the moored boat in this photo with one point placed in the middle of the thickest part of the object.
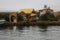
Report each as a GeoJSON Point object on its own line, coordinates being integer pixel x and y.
{"type": "Point", "coordinates": [1, 24]}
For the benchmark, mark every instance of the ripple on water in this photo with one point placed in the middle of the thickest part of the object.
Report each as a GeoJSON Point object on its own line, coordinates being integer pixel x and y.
{"type": "Point", "coordinates": [32, 33]}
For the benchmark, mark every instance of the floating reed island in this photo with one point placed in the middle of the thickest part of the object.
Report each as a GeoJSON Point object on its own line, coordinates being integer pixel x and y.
{"type": "Point", "coordinates": [38, 23]}
{"type": "Point", "coordinates": [31, 17]}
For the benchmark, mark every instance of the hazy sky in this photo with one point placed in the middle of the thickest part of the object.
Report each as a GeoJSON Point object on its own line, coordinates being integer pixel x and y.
{"type": "Point", "coordinates": [15, 5]}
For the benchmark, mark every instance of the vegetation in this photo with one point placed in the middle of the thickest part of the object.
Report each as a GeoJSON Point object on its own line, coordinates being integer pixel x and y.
{"type": "Point", "coordinates": [1, 16]}
{"type": "Point", "coordinates": [20, 17]}
{"type": "Point", "coordinates": [6, 17]}
{"type": "Point", "coordinates": [48, 16]}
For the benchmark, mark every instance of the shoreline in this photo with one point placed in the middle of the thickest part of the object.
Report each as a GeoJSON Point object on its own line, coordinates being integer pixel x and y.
{"type": "Point", "coordinates": [38, 23]}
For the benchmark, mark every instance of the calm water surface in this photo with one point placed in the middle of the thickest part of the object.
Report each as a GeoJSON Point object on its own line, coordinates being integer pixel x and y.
{"type": "Point", "coordinates": [31, 33]}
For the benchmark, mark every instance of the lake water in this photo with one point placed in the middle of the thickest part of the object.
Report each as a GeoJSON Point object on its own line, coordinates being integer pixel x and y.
{"type": "Point", "coordinates": [31, 33]}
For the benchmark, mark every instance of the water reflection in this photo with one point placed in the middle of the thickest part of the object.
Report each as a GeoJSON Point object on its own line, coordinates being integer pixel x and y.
{"type": "Point", "coordinates": [43, 28]}
{"type": "Point", "coordinates": [27, 31]}
{"type": "Point", "coordinates": [31, 33]}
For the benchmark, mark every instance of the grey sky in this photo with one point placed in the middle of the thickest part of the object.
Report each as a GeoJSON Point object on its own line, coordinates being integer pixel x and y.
{"type": "Point", "coordinates": [15, 5]}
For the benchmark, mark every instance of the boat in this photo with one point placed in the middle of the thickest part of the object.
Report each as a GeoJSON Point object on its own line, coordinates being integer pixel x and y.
{"type": "Point", "coordinates": [2, 24]}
